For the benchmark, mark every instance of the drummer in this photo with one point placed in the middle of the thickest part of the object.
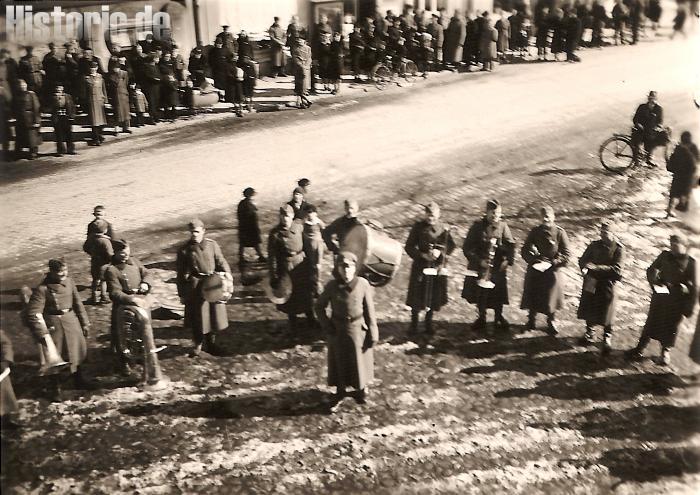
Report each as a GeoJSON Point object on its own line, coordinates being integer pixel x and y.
{"type": "Point", "coordinates": [196, 259]}
{"type": "Point", "coordinates": [288, 262]}
{"type": "Point", "coordinates": [126, 279]}
{"type": "Point", "coordinates": [427, 245]}
{"type": "Point", "coordinates": [334, 233]}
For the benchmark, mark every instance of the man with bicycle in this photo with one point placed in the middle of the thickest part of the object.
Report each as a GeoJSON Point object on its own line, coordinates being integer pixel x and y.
{"type": "Point", "coordinates": [647, 128]}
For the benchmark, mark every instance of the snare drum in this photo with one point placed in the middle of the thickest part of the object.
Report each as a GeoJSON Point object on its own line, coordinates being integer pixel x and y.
{"type": "Point", "coordinates": [378, 255]}
{"type": "Point", "coordinates": [217, 287]}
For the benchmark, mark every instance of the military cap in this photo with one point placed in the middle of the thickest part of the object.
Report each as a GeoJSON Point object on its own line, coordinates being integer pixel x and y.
{"type": "Point", "coordinates": [652, 93]}
{"type": "Point", "coordinates": [56, 265]}
{"type": "Point", "coordinates": [195, 223]}
{"type": "Point", "coordinates": [679, 238]}
{"type": "Point", "coordinates": [492, 204]}
{"type": "Point", "coordinates": [248, 192]}
{"type": "Point", "coordinates": [98, 209]}
{"type": "Point", "coordinates": [352, 203]}
{"type": "Point", "coordinates": [304, 182]}
{"type": "Point", "coordinates": [432, 208]}
{"type": "Point", "coordinates": [120, 244]}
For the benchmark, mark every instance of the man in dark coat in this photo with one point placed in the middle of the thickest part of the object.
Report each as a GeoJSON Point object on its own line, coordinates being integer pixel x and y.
{"type": "Point", "coordinates": [63, 116]}
{"type": "Point", "coordinates": [647, 122]}
{"type": "Point", "coordinates": [151, 87]}
{"type": "Point", "coordinates": [455, 34]}
{"type": "Point", "coordinates": [198, 258]}
{"type": "Point", "coordinates": [249, 226]}
{"type": "Point", "coordinates": [599, 20]}
{"type": "Point", "coordinates": [601, 266]}
{"type": "Point", "coordinates": [490, 249]}
{"type": "Point", "coordinates": [287, 261]}
{"type": "Point", "coordinates": [545, 250]}
{"type": "Point", "coordinates": [127, 279]}
{"type": "Point", "coordinates": [118, 87]}
{"type": "Point", "coordinates": [294, 31]}
{"type": "Point", "coordinates": [53, 73]}
{"type": "Point", "coordinates": [334, 234]}
{"type": "Point", "coordinates": [149, 45]}
{"type": "Point", "coordinates": [227, 39]}
{"type": "Point", "coordinates": [673, 278]}
{"type": "Point", "coordinates": [352, 328]}
{"type": "Point", "coordinates": [27, 111]}
{"type": "Point", "coordinates": [437, 32]}
{"type": "Point", "coordinates": [322, 31]}
{"type": "Point", "coordinates": [683, 164]}
{"type": "Point", "coordinates": [428, 245]}
{"type": "Point", "coordinates": [636, 10]}
{"type": "Point", "coordinates": [55, 308]}
{"type": "Point", "coordinates": [197, 67]}
{"type": "Point", "coordinates": [220, 61]}
{"type": "Point", "coordinates": [277, 41]}
{"type": "Point", "coordinates": [31, 71]}
{"type": "Point", "coordinates": [573, 35]}
{"type": "Point", "coordinates": [8, 400]}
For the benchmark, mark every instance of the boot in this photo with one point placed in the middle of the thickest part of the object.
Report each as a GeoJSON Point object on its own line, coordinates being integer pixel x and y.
{"type": "Point", "coordinates": [414, 322]}
{"type": "Point", "coordinates": [551, 326]}
{"type": "Point", "coordinates": [210, 346]}
{"type": "Point", "coordinates": [361, 397]}
{"type": "Point", "coordinates": [429, 322]}
{"type": "Point", "coordinates": [665, 356]}
{"type": "Point", "coordinates": [311, 319]}
{"type": "Point", "coordinates": [80, 382]}
{"type": "Point", "coordinates": [607, 341]}
{"type": "Point", "coordinates": [587, 338]}
{"type": "Point", "coordinates": [635, 354]}
{"type": "Point", "coordinates": [501, 322]}
{"type": "Point", "coordinates": [55, 394]}
{"type": "Point", "coordinates": [530, 321]}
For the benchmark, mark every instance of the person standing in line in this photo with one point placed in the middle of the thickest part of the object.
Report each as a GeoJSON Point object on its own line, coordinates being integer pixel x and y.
{"type": "Point", "coordinates": [63, 116]}
{"type": "Point", "coordinates": [27, 111]}
{"type": "Point", "coordinates": [683, 164]}
{"type": "Point", "coordinates": [96, 97]}
{"type": "Point", "coordinates": [249, 226]}
{"type": "Point", "coordinates": [277, 40]}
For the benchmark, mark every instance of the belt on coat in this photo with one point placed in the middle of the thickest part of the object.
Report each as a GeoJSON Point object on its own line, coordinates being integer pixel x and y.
{"type": "Point", "coordinates": [348, 319]}
{"type": "Point", "coordinates": [60, 312]}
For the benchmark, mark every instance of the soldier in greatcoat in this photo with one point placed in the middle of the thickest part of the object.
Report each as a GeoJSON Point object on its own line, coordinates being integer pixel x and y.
{"type": "Point", "coordinates": [352, 328]}
{"type": "Point", "coordinates": [490, 249]}
{"type": "Point", "coordinates": [298, 204]}
{"type": "Point", "coordinates": [545, 250]}
{"type": "Point", "coordinates": [63, 116]}
{"type": "Point", "coordinates": [8, 400]}
{"type": "Point", "coordinates": [334, 234]}
{"type": "Point", "coordinates": [96, 97]}
{"type": "Point", "coordinates": [31, 71]}
{"type": "Point", "coordinates": [196, 259]}
{"type": "Point", "coordinates": [683, 164]}
{"type": "Point", "coordinates": [287, 258]}
{"type": "Point", "coordinates": [126, 278]}
{"type": "Point", "coordinates": [455, 35]}
{"type": "Point", "coordinates": [118, 81]}
{"type": "Point", "coordinates": [302, 72]}
{"type": "Point", "coordinates": [100, 250]}
{"type": "Point", "coordinates": [673, 280]}
{"type": "Point", "coordinates": [227, 39]}
{"type": "Point", "coordinates": [53, 73]}
{"type": "Point", "coordinates": [249, 226]}
{"type": "Point", "coordinates": [277, 40]}
{"type": "Point", "coordinates": [151, 88]}
{"type": "Point", "coordinates": [437, 32]}
{"type": "Point", "coordinates": [55, 308]}
{"type": "Point", "coordinates": [601, 265]}
{"type": "Point", "coordinates": [428, 244]}
{"type": "Point", "coordinates": [27, 110]}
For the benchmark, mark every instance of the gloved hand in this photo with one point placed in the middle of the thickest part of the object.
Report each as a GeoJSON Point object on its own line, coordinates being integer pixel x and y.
{"type": "Point", "coordinates": [86, 330]}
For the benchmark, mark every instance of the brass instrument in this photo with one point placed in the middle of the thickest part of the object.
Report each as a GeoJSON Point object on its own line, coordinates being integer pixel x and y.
{"type": "Point", "coordinates": [485, 279]}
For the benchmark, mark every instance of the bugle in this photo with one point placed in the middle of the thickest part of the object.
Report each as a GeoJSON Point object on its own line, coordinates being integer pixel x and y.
{"type": "Point", "coordinates": [50, 361]}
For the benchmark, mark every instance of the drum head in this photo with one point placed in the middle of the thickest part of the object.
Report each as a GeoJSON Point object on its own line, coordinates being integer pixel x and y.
{"type": "Point", "coordinates": [281, 293]}
{"type": "Point", "coordinates": [211, 288]}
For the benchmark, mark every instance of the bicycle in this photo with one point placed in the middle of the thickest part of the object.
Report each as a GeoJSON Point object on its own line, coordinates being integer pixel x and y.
{"type": "Point", "coordinates": [617, 155]}
{"type": "Point", "coordinates": [384, 73]}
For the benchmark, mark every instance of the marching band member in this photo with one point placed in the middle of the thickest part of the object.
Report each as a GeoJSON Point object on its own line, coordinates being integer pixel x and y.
{"type": "Point", "coordinates": [672, 277]}
{"type": "Point", "coordinates": [55, 308]}
{"type": "Point", "coordinates": [601, 264]}
{"type": "Point", "coordinates": [490, 249]}
{"type": "Point", "coordinates": [286, 258]}
{"type": "Point", "coordinates": [334, 233]}
{"type": "Point", "coordinates": [545, 250]}
{"type": "Point", "coordinates": [352, 328]}
{"type": "Point", "coordinates": [126, 277]}
{"type": "Point", "coordinates": [196, 259]}
{"type": "Point", "coordinates": [428, 244]}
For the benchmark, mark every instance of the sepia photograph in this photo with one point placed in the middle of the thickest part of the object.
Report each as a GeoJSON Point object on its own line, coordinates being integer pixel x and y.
{"type": "Point", "coordinates": [350, 247]}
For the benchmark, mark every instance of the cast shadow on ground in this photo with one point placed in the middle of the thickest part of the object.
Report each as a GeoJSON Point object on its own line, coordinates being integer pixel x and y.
{"type": "Point", "coordinates": [570, 362]}
{"type": "Point", "coordinates": [645, 423]}
{"type": "Point", "coordinates": [275, 404]}
{"type": "Point", "coordinates": [161, 265]}
{"type": "Point", "coordinates": [610, 388]}
{"type": "Point", "coordinates": [642, 465]}
{"type": "Point", "coordinates": [562, 171]}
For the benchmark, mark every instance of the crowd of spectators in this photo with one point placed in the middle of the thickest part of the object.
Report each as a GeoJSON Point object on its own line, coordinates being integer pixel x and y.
{"type": "Point", "coordinates": [151, 81]}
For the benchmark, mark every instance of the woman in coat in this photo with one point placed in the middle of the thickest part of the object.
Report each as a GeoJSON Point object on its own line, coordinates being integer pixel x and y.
{"type": "Point", "coordinates": [287, 262]}
{"type": "Point", "coordinates": [683, 164]}
{"type": "Point", "coordinates": [119, 92]}
{"type": "Point", "coordinates": [601, 265]}
{"type": "Point", "coordinates": [672, 278]}
{"type": "Point", "coordinates": [352, 328]}
{"type": "Point", "coordinates": [96, 97]}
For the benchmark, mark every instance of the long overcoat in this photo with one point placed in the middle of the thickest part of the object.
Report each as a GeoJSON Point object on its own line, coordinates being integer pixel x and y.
{"type": "Point", "coordinates": [248, 225]}
{"type": "Point", "coordinates": [286, 256]}
{"type": "Point", "coordinates": [487, 42]}
{"type": "Point", "coordinates": [27, 111]}
{"type": "Point", "coordinates": [422, 238]}
{"type": "Point", "coordinates": [599, 294]}
{"type": "Point", "coordinates": [476, 248]}
{"type": "Point", "coordinates": [352, 331]}
{"type": "Point", "coordinates": [195, 261]}
{"type": "Point", "coordinates": [96, 96]}
{"type": "Point", "coordinates": [503, 28]}
{"type": "Point", "coordinates": [119, 92]}
{"type": "Point", "coordinates": [56, 307]}
{"type": "Point", "coordinates": [277, 40]}
{"type": "Point", "coordinates": [666, 311]}
{"type": "Point", "coordinates": [543, 292]}
{"type": "Point", "coordinates": [683, 164]}
{"type": "Point", "coordinates": [455, 34]}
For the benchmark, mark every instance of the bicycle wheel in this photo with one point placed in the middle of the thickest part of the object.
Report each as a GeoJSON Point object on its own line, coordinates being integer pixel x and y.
{"type": "Point", "coordinates": [382, 77]}
{"type": "Point", "coordinates": [410, 72]}
{"type": "Point", "coordinates": [616, 154]}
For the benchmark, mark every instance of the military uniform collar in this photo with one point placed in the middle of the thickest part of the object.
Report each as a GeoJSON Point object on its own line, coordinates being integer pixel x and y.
{"type": "Point", "coordinates": [350, 286]}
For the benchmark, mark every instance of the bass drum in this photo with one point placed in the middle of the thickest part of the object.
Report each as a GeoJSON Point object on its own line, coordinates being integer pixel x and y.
{"type": "Point", "coordinates": [378, 255]}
